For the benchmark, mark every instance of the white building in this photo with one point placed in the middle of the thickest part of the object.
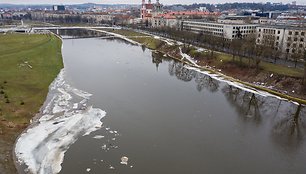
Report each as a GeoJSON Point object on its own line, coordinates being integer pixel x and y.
{"type": "Point", "coordinates": [228, 31]}
{"type": "Point", "coordinates": [162, 20]}
{"type": "Point", "coordinates": [289, 40]}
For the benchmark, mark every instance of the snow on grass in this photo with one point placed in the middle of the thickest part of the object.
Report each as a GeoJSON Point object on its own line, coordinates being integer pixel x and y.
{"type": "Point", "coordinates": [190, 59]}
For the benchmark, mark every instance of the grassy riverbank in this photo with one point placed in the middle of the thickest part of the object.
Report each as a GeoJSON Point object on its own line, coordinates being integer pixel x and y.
{"type": "Point", "coordinates": [28, 64]}
{"type": "Point", "coordinates": [277, 79]}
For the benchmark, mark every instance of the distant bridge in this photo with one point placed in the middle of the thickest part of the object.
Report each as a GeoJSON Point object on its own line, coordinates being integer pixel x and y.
{"type": "Point", "coordinates": [74, 27]}
{"type": "Point", "coordinates": [33, 29]}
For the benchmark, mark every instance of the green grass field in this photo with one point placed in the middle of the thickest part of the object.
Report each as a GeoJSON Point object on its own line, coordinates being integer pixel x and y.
{"type": "Point", "coordinates": [28, 64]}
{"type": "Point", "coordinates": [266, 66]}
{"type": "Point", "coordinates": [149, 41]}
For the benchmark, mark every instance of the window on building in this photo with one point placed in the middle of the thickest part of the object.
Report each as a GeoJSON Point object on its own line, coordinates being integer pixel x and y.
{"type": "Point", "coordinates": [259, 30]}
{"type": "Point", "coordinates": [278, 32]}
{"type": "Point", "coordinates": [296, 33]}
{"type": "Point", "coordinates": [277, 38]}
{"type": "Point", "coordinates": [287, 50]}
{"type": "Point", "coordinates": [276, 43]}
{"type": "Point", "coordinates": [302, 33]}
{"type": "Point", "coordinates": [290, 32]}
{"type": "Point", "coordinates": [301, 45]}
{"type": "Point", "coordinates": [295, 39]}
{"type": "Point", "coordinates": [289, 39]}
{"type": "Point", "coordinates": [288, 44]}
{"type": "Point", "coordinates": [293, 51]}
{"type": "Point", "coordinates": [294, 45]}
{"type": "Point", "coordinates": [302, 40]}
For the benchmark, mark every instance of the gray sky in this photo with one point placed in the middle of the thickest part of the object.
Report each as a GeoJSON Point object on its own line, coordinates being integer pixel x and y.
{"type": "Point", "coordinates": [137, 1]}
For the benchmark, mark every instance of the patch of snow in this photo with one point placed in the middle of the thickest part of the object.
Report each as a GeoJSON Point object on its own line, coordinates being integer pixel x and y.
{"type": "Point", "coordinates": [75, 106]}
{"type": "Point", "coordinates": [186, 56]}
{"type": "Point", "coordinates": [104, 147]}
{"type": "Point", "coordinates": [98, 137]}
{"type": "Point", "coordinates": [124, 160]}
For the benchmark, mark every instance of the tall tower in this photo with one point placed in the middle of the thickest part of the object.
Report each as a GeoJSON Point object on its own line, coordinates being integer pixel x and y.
{"type": "Point", "coordinates": [143, 3]}
{"type": "Point", "coordinates": [143, 9]}
{"type": "Point", "coordinates": [158, 7]}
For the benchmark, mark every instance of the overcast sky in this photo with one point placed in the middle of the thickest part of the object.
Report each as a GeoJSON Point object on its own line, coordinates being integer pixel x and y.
{"type": "Point", "coordinates": [137, 1]}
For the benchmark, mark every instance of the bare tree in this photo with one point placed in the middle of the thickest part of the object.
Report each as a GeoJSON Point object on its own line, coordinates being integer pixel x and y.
{"type": "Point", "coordinates": [304, 78]}
{"type": "Point", "coordinates": [296, 56]}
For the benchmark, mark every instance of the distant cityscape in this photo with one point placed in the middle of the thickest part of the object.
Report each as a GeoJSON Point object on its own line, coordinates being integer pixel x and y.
{"type": "Point", "coordinates": [282, 25]}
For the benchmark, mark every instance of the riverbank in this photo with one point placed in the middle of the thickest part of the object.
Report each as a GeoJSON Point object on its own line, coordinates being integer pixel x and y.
{"type": "Point", "coordinates": [282, 81]}
{"type": "Point", "coordinates": [28, 65]}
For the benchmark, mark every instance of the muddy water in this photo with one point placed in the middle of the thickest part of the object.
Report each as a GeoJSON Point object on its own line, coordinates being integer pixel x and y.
{"type": "Point", "coordinates": [167, 118]}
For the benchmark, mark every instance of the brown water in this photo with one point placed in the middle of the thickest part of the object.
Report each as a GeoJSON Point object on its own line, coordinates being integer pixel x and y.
{"type": "Point", "coordinates": [174, 120]}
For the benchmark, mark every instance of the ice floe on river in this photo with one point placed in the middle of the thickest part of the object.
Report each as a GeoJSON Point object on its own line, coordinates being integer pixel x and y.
{"type": "Point", "coordinates": [65, 117]}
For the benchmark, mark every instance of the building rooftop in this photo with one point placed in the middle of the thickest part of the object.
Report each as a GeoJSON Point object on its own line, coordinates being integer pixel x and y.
{"type": "Point", "coordinates": [218, 23]}
{"type": "Point", "coordinates": [279, 26]}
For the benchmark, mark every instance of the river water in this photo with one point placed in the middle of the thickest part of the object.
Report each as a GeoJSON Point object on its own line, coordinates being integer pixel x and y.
{"type": "Point", "coordinates": [167, 118]}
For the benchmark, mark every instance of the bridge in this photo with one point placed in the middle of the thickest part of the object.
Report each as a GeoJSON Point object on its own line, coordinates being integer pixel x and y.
{"type": "Point", "coordinates": [33, 29]}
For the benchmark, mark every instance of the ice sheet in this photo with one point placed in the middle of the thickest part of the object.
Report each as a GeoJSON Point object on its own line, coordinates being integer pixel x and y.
{"type": "Point", "coordinates": [42, 146]}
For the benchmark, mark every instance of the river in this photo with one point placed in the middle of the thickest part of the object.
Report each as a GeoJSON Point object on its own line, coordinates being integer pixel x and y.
{"type": "Point", "coordinates": [168, 118]}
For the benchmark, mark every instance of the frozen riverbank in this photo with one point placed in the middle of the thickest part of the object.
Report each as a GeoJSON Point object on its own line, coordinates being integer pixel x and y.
{"type": "Point", "coordinates": [64, 118]}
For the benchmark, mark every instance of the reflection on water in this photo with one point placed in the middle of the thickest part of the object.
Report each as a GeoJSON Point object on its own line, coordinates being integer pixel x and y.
{"type": "Point", "coordinates": [289, 130]}
{"type": "Point", "coordinates": [171, 119]}
{"type": "Point", "coordinates": [288, 125]}
{"type": "Point", "coordinates": [248, 104]}
{"type": "Point", "coordinates": [80, 33]}
{"type": "Point", "coordinates": [287, 119]}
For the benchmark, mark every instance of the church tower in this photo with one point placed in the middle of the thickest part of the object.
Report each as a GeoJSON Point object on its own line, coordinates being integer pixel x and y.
{"type": "Point", "coordinates": [158, 7]}
{"type": "Point", "coordinates": [143, 9]}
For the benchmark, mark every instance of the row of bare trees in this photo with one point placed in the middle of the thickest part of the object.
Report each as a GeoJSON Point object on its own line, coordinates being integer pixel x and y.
{"type": "Point", "coordinates": [267, 48]}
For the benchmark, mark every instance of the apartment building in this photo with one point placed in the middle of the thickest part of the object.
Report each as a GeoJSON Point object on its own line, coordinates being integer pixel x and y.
{"type": "Point", "coordinates": [288, 39]}
{"type": "Point", "coordinates": [226, 30]}
{"type": "Point", "coordinates": [164, 20]}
